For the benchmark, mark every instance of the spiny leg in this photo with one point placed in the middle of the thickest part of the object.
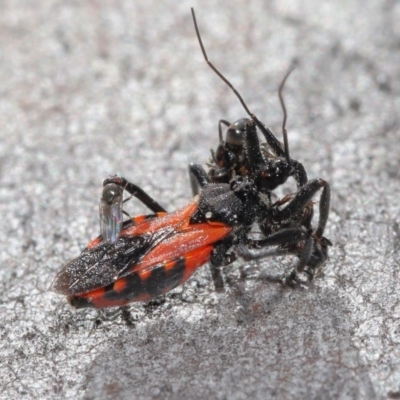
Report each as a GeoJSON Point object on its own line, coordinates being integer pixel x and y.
{"type": "Point", "coordinates": [324, 204]}
{"type": "Point", "coordinates": [304, 259]}
{"type": "Point", "coordinates": [299, 173]}
{"type": "Point", "coordinates": [219, 258]}
{"type": "Point", "coordinates": [300, 200]}
{"type": "Point", "coordinates": [313, 252]}
{"type": "Point", "coordinates": [291, 236]}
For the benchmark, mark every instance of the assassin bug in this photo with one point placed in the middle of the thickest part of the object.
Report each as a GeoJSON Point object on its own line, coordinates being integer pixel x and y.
{"type": "Point", "coordinates": [157, 252]}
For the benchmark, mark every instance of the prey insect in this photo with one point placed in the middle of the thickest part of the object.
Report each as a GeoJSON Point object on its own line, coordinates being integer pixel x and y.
{"type": "Point", "coordinates": [269, 165]}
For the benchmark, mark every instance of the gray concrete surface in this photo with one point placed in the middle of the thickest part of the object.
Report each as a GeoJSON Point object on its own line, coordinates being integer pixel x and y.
{"type": "Point", "coordinates": [95, 88]}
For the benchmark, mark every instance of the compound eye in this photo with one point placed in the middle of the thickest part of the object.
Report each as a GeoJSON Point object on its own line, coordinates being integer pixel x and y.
{"type": "Point", "coordinates": [235, 132]}
{"type": "Point", "coordinates": [111, 193]}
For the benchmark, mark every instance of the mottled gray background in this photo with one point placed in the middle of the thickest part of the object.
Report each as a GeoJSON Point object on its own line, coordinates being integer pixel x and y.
{"type": "Point", "coordinates": [92, 88]}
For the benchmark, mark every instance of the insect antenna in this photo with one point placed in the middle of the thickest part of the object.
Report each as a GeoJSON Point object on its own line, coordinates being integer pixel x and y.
{"type": "Point", "coordinates": [215, 69]}
{"type": "Point", "coordinates": [272, 141]}
{"type": "Point", "coordinates": [281, 99]}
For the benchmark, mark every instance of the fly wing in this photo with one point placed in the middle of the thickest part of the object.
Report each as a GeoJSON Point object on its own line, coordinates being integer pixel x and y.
{"type": "Point", "coordinates": [111, 220]}
{"type": "Point", "coordinates": [110, 212]}
{"type": "Point", "coordinates": [101, 265]}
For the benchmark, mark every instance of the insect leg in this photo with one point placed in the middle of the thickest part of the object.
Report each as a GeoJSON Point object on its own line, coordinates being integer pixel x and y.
{"type": "Point", "coordinates": [304, 258]}
{"type": "Point", "coordinates": [137, 192]}
{"type": "Point", "coordinates": [198, 178]}
{"type": "Point", "coordinates": [252, 147]}
{"type": "Point", "coordinates": [319, 245]}
{"type": "Point", "coordinates": [288, 238]}
{"type": "Point", "coordinates": [299, 173]}
{"type": "Point", "coordinates": [286, 235]}
{"type": "Point", "coordinates": [324, 204]}
{"type": "Point", "coordinates": [300, 200]}
{"type": "Point", "coordinates": [220, 122]}
{"type": "Point", "coordinates": [122, 312]}
{"type": "Point", "coordinates": [220, 257]}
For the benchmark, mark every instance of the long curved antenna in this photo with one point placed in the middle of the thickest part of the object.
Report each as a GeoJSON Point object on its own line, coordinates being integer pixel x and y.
{"type": "Point", "coordinates": [272, 141]}
{"type": "Point", "coordinates": [215, 69]}
{"type": "Point", "coordinates": [284, 130]}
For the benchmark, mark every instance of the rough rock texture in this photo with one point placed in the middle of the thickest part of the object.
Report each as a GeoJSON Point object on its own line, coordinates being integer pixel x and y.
{"type": "Point", "coordinates": [95, 88]}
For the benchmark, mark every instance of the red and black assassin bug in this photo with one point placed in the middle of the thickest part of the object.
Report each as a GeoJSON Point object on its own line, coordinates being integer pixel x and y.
{"type": "Point", "coordinates": [152, 255]}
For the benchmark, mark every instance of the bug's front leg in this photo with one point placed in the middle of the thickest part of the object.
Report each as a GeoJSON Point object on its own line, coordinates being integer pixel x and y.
{"type": "Point", "coordinates": [111, 206]}
{"type": "Point", "coordinates": [221, 257]}
{"type": "Point", "coordinates": [299, 173]}
{"type": "Point", "coordinates": [294, 240]}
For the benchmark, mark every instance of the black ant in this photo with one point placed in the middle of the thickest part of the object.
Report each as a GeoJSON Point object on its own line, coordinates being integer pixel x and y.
{"type": "Point", "coordinates": [269, 169]}
{"type": "Point", "coordinates": [269, 165]}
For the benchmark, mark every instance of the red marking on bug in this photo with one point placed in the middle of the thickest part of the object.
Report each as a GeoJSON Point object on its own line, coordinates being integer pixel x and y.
{"type": "Point", "coordinates": [177, 218]}
{"type": "Point", "coordinates": [215, 223]}
{"type": "Point", "coordinates": [191, 239]}
{"type": "Point", "coordinates": [119, 285]}
{"type": "Point", "coordinates": [196, 259]}
{"type": "Point", "coordinates": [93, 243]}
{"type": "Point", "coordinates": [137, 220]}
{"type": "Point", "coordinates": [101, 302]}
{"type": "Point", "coordinates": [145, 274]}
{"type": "Point", "coordinates": [169, 265]}
{"type": "Point", "coordinates": [94, 293]}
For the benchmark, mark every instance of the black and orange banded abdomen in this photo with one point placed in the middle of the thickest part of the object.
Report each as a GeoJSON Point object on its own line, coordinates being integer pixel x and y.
{"type": "Point", "coordinates": [145, 284]}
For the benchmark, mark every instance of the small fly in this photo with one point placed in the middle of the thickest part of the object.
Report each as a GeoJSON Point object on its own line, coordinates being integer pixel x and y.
{"type": "Point", "coordinates": [111, 212]}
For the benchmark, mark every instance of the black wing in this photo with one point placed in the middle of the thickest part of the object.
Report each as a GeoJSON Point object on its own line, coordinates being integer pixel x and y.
{"type": "Point", "coordinates": [103, 264]}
